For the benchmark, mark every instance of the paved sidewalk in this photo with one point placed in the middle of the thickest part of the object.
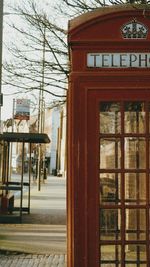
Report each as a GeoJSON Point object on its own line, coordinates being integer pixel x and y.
{"type": "Point", "coordinates": [48, 206]}
{"type": "Point", "coordinates": [30, 260]}
{"type": "Point", "coordinates": [40, 241]}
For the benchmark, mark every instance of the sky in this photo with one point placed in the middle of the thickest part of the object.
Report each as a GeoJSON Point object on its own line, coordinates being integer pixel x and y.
{"type": "Point", "coordinates": [8, 92]}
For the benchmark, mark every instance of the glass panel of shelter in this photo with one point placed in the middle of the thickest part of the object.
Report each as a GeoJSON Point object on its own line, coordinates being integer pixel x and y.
{"type": "Point", "coordinates": [124, 183]}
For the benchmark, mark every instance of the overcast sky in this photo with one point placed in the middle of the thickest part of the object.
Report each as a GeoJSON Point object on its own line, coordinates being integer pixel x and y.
{"type": "Point", "coordinates": [7, 109]}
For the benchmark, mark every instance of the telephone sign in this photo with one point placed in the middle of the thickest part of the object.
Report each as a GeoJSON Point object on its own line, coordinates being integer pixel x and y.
{"type": "Point", "coordinates": [118, 60]}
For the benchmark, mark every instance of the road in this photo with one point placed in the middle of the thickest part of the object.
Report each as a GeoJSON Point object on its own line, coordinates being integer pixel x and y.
{"type": "Point", "coordinates": [35, 239]}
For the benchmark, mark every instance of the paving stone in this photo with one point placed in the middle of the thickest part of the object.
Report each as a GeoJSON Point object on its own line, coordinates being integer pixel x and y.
{"type": "Point", "coordinates": [3, 263]}
{"type": "Point", "coordinates": [29, 256]}
{"type": "Point", "coordinates": [19, 262]}
{"type": "Point", "coordinates": [14, 262]}
{"type": "Point", "coordinates": [8, 263]}
{"type": "Point", "coordinates": [25, 263]}
{"type": "Point", "coordinates": [56, 260]}
{"type": "Point", "coordinates": [32, 260]}
{"type": "Point", "coordinates": [35, 262]}
{"type": "Point", "coordinates": [62, 259]}
{"type": "Point", "coordinates": [31, 263]}
{"type": "Point", "coordinates": [50, 259]}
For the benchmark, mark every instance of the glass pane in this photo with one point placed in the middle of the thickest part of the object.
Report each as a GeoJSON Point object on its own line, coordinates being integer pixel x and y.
{"type": "Point", "coordinates": [110, 188]}
{"type": "Point", "coordinates": [110, 117]}
{"type": "Point", "coordinates": [149, 115]}
{"type": "Point", "coordinates": [110, 255]}
{"type": "Point", "coordinates": [110, 264]}
{"type": "Point", "coordinates": [135, 153]}
{"type": "Point", "coordinates": [135, 224]}
{"type": "Point", "coordinates": [135, 253]}
{"type": "Point", "coordinates": [134, 117]}
{"type": "Point", "coordinates": [135, 188]}
{"type": "Point", "coordinates": [110, 153]}
{"type": "Point", "coordinates": [110, 224]}
{"type": "Point", "coordinates": [149, 227]}
{"type": "Point", "coordinates": [149, 188]}
{"type": "Point", "coordinates": [135, 265]}
{"type": "Point", "coordinates": [149, 154]}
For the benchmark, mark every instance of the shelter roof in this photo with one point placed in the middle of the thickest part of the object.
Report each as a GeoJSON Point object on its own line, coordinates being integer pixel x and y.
{"type": "Point", "coordinates": [25, 137]}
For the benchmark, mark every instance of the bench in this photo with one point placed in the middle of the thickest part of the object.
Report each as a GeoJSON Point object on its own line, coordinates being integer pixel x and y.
{"type": "Point", "coordinates": [6, 203]}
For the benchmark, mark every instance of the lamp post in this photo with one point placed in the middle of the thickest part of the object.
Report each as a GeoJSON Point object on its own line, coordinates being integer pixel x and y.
{"type": "Point", "coordinates": [1, 49]}
{"type": "Point", "coordinates": [41, 116]}
{"type": "Point", "coordinates": [1, 96]}
{"type": "Point", "coordinates": [1, 41]}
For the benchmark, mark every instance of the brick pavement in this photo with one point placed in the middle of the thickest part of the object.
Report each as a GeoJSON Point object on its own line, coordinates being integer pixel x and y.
{"type": "Point", "coordinates": [13, 259]}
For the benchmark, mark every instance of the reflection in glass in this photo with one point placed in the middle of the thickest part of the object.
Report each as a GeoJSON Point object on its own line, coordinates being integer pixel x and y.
{"type": "Point", "coordinates": [149, 153]}
{"type": "Point", "coordinates": [110, 117]}
{"type": "Point", "coordinates": [110, 187]}
{"type": "Point", "coordinates": [110, 254]}
{"type": "Point", "coordinates": [110, 224]}
{"type": "Point", "coordinates": [135, 224]}
{"type": "Point", "coordinates": [134, 117]}
{"type": "Point", "coordinates": [135, 188]}
{"type": "Point", "coordinates": [134, 265]}
{"type": "Point", "coordinates": [149, 115]}
{"type": "Point", "coordinates": [135, 153]}
{"type": "Point", "coordinates": [123, 192]}
{"type": "Point", "coordinates": [110, 153]}
{"type": "Point", "coordinates": [136, 254]}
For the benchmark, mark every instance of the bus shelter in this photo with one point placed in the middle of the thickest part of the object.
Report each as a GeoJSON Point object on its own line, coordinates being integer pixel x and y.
{"type": "Point", "coordinates": [8, 188]}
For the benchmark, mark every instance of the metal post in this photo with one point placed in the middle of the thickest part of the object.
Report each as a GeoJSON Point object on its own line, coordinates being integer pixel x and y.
{"type": "Point", "coordinates": [30, 167]}
{"type": "Point", "coordinates": [1, 96]}
{"type": "Point", "coordinates": [22, 172]}
{"type": "Point", "coordinates": [1, 42]}
{"type": "Point", "coordinates": [41, 111]}
{"type": "Point", "coordinates": [11, 145]}
{"type": "Point", "coordinates": [39, 168]}
{"type": "Point", "coordinates": [42, 84]}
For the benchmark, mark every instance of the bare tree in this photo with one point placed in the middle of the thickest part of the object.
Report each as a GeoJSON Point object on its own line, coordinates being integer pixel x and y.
{"type": "Point", "coordinates": [40, 58]}
{"type": "Point", "coordinates": [78, 7]}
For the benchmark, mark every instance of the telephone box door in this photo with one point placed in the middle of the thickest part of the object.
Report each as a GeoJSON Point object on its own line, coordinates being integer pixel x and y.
{"type": "Point", "coordinates": [119, 162]}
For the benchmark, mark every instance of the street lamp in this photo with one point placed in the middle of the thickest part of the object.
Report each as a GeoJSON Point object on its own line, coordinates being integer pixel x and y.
{"type": "Point", "coordinates": [1, 96]}
{"type": "Point", "coordinates": [41, 117]}
{"type": "Point", "coordinates": [1, 49]}
{"type": "Point", "coordinates": [1, 40]}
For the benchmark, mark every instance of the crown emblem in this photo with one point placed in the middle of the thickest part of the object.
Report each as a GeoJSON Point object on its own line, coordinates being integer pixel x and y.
{"type": "Point", "coordinates": [134, 30]}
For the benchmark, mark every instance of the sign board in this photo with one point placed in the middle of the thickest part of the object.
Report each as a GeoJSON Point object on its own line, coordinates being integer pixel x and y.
{"type": "Point", "coordinates": [118, 60]}
{"type": "Point", "coordinates": [22, 109]}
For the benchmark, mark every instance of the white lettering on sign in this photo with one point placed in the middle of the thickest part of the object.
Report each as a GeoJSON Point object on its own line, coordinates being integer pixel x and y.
{"type": "Point", "coordinates": [118, 60]}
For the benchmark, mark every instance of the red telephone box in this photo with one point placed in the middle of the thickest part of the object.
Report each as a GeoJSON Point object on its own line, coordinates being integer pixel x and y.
{"type": "Point", "coordinates": [109, 138]}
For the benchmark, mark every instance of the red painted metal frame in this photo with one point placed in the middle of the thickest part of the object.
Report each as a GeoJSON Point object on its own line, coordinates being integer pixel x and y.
{"type": "Point", "coordinates": [86, 88]}
{"type": "Point", "coordinates": [83, 184]}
